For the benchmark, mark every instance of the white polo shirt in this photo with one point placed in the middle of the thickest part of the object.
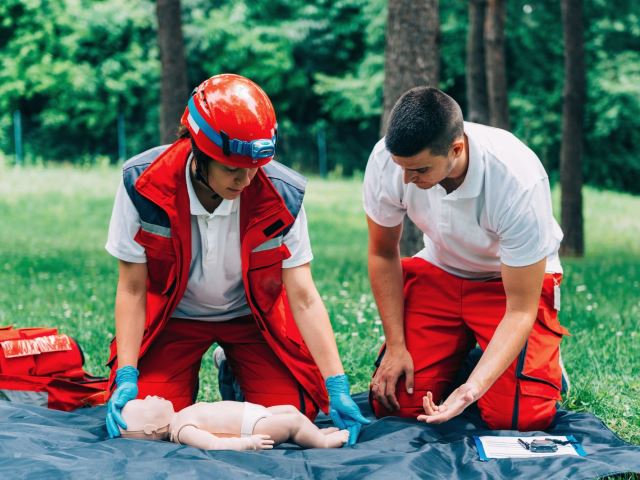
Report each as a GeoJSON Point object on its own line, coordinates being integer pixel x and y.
{"type": "Point", "coordinates": [501, 213]}
{"type": "Point", "coordinates": [214, 291]}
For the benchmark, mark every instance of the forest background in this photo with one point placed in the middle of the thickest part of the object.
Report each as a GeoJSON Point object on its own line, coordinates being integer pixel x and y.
{"type": "Point", "coordinates": [84, 76]}
{"type": "Point", "coordinates": [80, 91]}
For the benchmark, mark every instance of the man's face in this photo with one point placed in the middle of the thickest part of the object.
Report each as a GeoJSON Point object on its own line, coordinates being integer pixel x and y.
{"type": "Point", "coordinates": [227, 181]}
{"type": "Point", "coordinates": [425, 169]}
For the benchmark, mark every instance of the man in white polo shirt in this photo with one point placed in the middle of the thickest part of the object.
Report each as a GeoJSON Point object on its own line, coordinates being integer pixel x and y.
{"type": "Point", "coordinates": [489, 271]}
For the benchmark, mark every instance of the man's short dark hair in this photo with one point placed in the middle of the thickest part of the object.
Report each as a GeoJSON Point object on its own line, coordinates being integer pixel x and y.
{"type": "Point", "coordinates": [423, 118]}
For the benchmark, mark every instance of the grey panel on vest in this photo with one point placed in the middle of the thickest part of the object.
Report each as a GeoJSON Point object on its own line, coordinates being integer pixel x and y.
{"type": "Point", "coordinates": [290, 185]}
{"type": "Point", "coordinates": [150, 213]}
{"type": "Point", "coordinates": [269, 244]}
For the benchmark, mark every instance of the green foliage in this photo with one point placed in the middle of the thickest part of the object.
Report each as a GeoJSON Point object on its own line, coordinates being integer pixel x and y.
{"type": "Point", "coordinates": [320, 62]}
{"type": "Point", "coordinates": [55, 272]}
{"type": "Point", "coordinates": [72, 66]}
{"type": "Point", "coordinates": [536, 77]}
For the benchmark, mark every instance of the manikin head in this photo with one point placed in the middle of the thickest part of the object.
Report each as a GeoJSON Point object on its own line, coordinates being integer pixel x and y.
{"type": "Point", "coordinates": [147, 419]}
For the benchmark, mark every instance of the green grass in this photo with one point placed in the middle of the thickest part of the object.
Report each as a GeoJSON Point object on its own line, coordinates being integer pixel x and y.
{"type": "Point", "coordinates": [54, 271]}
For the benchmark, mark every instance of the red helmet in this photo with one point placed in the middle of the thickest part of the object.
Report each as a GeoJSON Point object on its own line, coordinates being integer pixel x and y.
{"type": "Point", "coordinates": [232, 120]}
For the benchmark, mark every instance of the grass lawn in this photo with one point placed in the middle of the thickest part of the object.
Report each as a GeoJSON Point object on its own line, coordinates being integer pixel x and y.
{"type": "Point", "coordinates": [54, 271]}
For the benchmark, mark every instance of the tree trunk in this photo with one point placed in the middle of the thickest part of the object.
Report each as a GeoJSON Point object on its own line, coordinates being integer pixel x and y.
{"type": "Point", "coordinates": [572, 128]}
{"type": "Point", "coordinates": [412, 53]}
{"type": "Point", "coordinates": [412, 58]}
{"type": "Point", "coordinates": [496, 64]}
{"type": "Point", "coordinates": [476, 76]}
{"type": "Point", "coordinates": [174, 89]}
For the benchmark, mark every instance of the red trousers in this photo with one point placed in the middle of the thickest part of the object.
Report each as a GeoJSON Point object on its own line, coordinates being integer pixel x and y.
{"type": "Point", "coordinates": [170, 367]}
{"type": "Point", "coordinates": [444, 318]}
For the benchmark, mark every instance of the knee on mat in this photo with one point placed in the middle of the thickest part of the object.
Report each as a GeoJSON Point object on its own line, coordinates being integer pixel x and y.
{"type": "Point", "coordinates": [527, 414]}
{"type": "Point", "coordinates": [408, 409]}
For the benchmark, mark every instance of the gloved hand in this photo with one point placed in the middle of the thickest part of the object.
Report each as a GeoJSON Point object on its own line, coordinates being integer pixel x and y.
{"type": "Point", "coordinates": [343, 410]}
{"type": "Point", "coordinates": [126, 389]}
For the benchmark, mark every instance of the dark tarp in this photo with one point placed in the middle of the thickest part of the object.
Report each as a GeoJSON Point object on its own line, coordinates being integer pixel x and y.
{"type": "Point", "coordinates": [39, 443]}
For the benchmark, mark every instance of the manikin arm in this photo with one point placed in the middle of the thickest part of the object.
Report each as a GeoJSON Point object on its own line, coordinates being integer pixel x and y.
{"type": "Point", "coordinates": [195, 437]}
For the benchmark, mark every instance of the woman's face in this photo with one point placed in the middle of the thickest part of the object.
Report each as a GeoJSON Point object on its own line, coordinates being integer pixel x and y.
{"type": "Point", "coordinates": [227, 181]}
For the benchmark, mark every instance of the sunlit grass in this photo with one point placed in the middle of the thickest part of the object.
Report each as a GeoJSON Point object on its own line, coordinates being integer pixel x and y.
{"type": "Point", "coordinates": [54, 271]}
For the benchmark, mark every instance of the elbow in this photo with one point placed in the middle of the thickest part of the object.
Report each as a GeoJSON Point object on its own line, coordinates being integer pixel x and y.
{"type": "Point", "coordinates": [304, 301]}
{"type": "Point", "coordinates": [524, 320]}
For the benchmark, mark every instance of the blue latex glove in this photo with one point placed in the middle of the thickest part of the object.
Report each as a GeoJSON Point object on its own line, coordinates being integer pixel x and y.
{"type": "Point", "coordinates": [343, 410]}
{"type": "Point", "coordinates": [126, 389]}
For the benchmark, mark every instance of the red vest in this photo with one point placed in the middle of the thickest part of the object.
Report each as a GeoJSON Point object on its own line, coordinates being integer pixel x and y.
{"type": "Point", "coordinates": [263, 217]}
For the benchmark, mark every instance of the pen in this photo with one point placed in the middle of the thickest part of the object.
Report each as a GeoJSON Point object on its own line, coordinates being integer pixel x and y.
{"type": "Point", "coordinates": [523, 443]}
{"type": "Point", "coordinates": [561, 442]}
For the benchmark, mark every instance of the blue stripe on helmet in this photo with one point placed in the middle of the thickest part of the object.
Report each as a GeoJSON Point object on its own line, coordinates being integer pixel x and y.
{"type": "Point", "coordinates": [202, 123]}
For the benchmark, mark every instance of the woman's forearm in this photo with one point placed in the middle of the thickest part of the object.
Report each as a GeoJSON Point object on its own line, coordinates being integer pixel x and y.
{"type": "Point", "coordinates": [312, 319]}
{"type": "Point", "coordinates": [130, 311]}
{"type": "Point", "coordinates": [130, 318]}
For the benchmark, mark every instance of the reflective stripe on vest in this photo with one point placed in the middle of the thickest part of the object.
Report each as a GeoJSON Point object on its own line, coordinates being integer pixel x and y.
{"type": "Point", "coordinates": [155, 229]}
{"type": "Point", "coordinates": [269, 244]}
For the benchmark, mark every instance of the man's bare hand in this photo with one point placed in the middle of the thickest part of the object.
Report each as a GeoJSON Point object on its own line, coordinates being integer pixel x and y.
{"type": "Point", "coordinates": [394, 364]}
{"type": "Point", "coordinates": [454, 405]}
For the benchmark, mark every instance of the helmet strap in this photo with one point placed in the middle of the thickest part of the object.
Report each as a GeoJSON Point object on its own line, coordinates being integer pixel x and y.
{"type": "Point", "coordinates": [226, 149]}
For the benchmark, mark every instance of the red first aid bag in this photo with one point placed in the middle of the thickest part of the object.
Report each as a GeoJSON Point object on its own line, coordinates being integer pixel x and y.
{"type": "Point", "coordinates": [39, 366]}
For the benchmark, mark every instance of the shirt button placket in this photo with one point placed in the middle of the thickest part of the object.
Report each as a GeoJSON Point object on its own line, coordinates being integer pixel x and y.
{"type": "Point", "coordinates": [444, 217]}
{"type": "Point", "coordinates": [211, 237]}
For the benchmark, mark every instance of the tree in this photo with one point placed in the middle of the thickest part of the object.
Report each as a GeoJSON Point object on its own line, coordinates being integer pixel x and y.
{"type": "Point", "coordinates": [173, 90]}
{"type": "Point", "coordinates": [496, 64]}
{"type": "Point", "coordinates": [412, 58]}
{"type": "Point", "coordinates": [476, 76]}
{"type": "Point", "coordinates": [572, 128]}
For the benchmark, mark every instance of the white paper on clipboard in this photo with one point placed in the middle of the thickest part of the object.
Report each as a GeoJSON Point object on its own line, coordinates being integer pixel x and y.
{"type": "Point", "coordinates": [509, 447]}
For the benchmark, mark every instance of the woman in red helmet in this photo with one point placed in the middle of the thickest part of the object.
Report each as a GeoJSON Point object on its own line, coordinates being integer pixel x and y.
{"type": "Point", "coordinates": [212, 245]}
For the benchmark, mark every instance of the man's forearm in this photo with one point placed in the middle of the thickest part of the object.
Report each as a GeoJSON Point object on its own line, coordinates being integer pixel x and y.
{"type": "Point", "coordinates": [504, 347]}
{"type": "Point", "coordinates": [385, 275]}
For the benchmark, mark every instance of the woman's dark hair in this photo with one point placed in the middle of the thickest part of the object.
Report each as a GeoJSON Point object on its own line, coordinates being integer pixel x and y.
{"type": "Point", "coordinates": [423, 118]}
{"type": "Point", "coordinates": [183, 132]}
{"type": "Point", "coordinates": [201, 158]}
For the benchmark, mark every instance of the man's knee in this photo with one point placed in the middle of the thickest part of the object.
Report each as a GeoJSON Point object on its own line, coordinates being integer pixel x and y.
{"type": "Point", "coordinates": [406, 410]}
{"type": "Point", "coordinates": [522, 411]}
